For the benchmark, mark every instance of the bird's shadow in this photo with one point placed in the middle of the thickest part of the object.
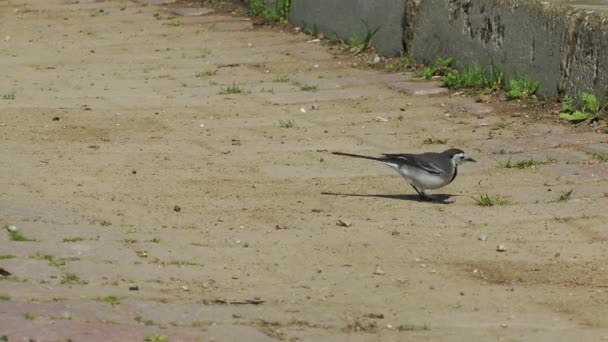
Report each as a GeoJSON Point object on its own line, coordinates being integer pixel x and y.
{"type": "Point", "coordinates": [435, 198]}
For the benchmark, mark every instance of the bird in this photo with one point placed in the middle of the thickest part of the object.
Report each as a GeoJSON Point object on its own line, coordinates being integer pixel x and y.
{"type": "Point", "coordinates": [425, 171]}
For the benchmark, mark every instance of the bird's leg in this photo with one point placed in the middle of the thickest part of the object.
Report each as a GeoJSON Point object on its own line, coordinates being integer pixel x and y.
{"type": "Point", "coordinates": [423, 196]}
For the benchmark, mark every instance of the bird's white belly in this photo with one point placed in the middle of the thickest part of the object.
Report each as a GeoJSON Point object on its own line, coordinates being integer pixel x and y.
{"type": "Point", "coordinates": [424, 180]}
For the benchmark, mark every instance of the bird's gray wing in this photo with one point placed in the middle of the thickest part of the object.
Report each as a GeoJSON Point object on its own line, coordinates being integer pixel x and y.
{"type": "Point", "coordinates": [420, 161]}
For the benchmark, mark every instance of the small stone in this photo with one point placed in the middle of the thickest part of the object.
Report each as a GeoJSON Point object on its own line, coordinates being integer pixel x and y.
{"type": "Point", "coordinates": [133, 287]}
{"type": "Point", "coordinates": [395, 233]}
{"type": "Point", "coordinates": [314, 107]}
{"type": "Point", "coordinates": [483, 237]}
{"type": "Point", "coordinates": [501, 248]}
{"type": "Point", "coordinates": [185, 288]}
{"type": "Point", "coordinates": [11, 228]}
{"type": "Point", "coordinates": [379, 270]}
{"type": "Point", "coordinates": [303, 110]}
{"type": "Point", "coordinates": [177, 208]}
{"type": "Point", "coordinates": [377, 59]}
{"type": "Point", "coordinates": [343, 223]}
{"type": "Point", "coordinates": [56, 118]}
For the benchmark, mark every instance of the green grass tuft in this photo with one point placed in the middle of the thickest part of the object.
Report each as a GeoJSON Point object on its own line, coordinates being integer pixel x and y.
{"type": "Point", "coordinates": [287, 124]}
{"type": "Point", "coordinates": [74, 239]}
{"type": "Point", "coordinates": [486, 200]}
{"type": "Point", "coordinates": [231, 89]}
{"type": "Point", "coordinates": [402, 64]}
{"type": "Point", "coordinates": [112, 300]}
{"type": "Point", "coordinates": [521, 88]}
{"type": "Point", "coordinates": [486, 80]}
{"type": "Point", "coordinates": [10, 95]}
{"type": "Point", "coordinates": [565, 196]}
{"type": "Point", "coordinates": [309, 87]}
{"type": "Point", "coordinates": [435, 141]}
{"type": "Point", "coordinates": [52, 261]}
{"type": "Point", "coordinates": [157, 338]}
{"type": "Point", "coordinates": [73, 279]}
{"type": "Point", "coordinates": [603, 157]}
{"type": "Point", "coordinates": [526, 164]}
{"type": "Point", "coordinates": [18, 236]}
{"type": "Point", "coordinates": [589, 109]}
{"type": "Point", "coordinates": [440, 67]}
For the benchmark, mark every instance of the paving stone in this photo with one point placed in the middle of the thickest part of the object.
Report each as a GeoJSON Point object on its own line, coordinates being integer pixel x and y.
{"type": "Point", "coordinates": [233, 26]}
{"type": "Point", "coordinates": [321, 96]}
{"type": "Point", "coordinates": [419, 88]}
{"type": "Point", "coordinates": [191, 11]}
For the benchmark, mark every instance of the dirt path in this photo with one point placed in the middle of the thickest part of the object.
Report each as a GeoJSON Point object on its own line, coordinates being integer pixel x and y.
{"type": "Point", "coordinates": [160, 207]}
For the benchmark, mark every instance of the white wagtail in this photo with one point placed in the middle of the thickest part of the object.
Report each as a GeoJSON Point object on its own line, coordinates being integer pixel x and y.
{"type": "Point", "coordinates": [424, 171]}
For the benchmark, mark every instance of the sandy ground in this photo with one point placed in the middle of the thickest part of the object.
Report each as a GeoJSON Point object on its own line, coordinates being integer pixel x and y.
{"type": "Point", "coordinates": [163, 208]}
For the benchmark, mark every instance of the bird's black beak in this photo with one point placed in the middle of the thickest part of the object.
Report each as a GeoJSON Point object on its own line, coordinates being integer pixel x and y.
{"type": "Point", "coordinates": [470, 160]}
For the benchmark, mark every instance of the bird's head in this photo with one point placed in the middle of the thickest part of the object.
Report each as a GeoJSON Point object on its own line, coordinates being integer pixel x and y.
{"type": "Point", "coordinates": [458, 156]}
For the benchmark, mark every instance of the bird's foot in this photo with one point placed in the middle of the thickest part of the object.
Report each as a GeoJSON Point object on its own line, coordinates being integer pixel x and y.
{"type": "Point", "coordinates": [426, 198]}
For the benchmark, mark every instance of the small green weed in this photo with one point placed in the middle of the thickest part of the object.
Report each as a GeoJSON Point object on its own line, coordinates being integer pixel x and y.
{"type": "Point", "coordinates": [525, 164]}
{"type": "Point", "coordinates": [487, 80]}
{"type": "Point", "coordinates": [287, 124]}
{"type": "Point", "coordinates": [112, 300]}
{"type": "Point", "coordinates": [4, 298]}
{"type": "Point", "coordinates": [355, 44]}
{"type": "Point", "coordinates": [7, 256]}
{"type": "Point", "coordinates": [29, 316]}
{"type": "Point", "coordinates": [486, 200]}
{"type": "Point", "coordinates": [52, 261]}
{"type": "Point", "coordinates": [140, 319]}
{"type": "Point", "coordinates": [521, 88]}
{"type": "Point", "coordinates": [18, 236]}
{"type": "Point", "coordinates": [603, 157]}
{"type": "Point", "coordinates": [282, 78]}
{"type": "Point", "coordinates": [435, 141]}
{"type": "Point", "coordinates": [565, 196]}
{"type": "Point", "coordinates": [314, 31]}
{"type": "Point", "coordinates": [440, 67]}
{"type": "Point", "coordinates": [590, 108]}
{"type": "Point", "coordinates": [276, 15]}
{"type": "Point", "coordinates": [504, 124]}
{"type": "Point", "coordinates": [74, 239]}
{"type": "Point", "coordinates": [155, 240]}
{"type": "Point", "coordinates": [157, 338]}
{"type": "Point", "coordinates": [71, 278]}
{"type": "Point", "coordinates": [231, 89]}
{"type": "Point", "coordinates": [402, 64]}
{"type": "Point", "coordinates": [10, 95]}
{"type": "Point", "coordinates": [309, 87]}
{"type": "Point", "coordinates": [207, 73]}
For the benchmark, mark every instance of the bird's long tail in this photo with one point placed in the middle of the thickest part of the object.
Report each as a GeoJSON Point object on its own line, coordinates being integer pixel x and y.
{"type": "Point", "coordinates": [358, 156]}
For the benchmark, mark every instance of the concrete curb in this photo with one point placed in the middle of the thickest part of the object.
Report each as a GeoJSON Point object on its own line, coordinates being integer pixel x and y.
{"type": "Point", "coordinates": [564, 48]}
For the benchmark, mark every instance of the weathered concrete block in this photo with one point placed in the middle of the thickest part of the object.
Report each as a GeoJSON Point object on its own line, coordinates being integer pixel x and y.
{"type": "Point", "coordinates": [521, 37]}
{"type": "Point", "coordinates": [588, 67]}
{"type": "Point", "coordinates": [346, 18]}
